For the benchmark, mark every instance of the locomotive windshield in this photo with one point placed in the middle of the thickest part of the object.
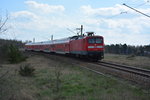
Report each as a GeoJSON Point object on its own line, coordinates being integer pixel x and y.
{"type": "Point", "coordinates": [95, 40]}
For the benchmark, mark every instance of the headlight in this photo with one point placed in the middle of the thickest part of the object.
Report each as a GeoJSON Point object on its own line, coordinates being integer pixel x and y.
{"type": "Point", "coordinates": [99, 46]}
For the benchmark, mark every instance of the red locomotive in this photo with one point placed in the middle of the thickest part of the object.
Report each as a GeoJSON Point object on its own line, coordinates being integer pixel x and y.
{"type": "Point", "coordinates": [86, 46]}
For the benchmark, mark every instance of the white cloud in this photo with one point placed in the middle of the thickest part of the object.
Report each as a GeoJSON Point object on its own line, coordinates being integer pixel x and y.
{"type": "Point", "coordinates": [109, 11]}
{"type": "Point", "coordinates": [115, 30]}
{"type": "Point", "coordinates": [45, 8]}
{"type": "Point", "coordinates": [24, 14]}
{"type": "Point", "coordinates": [32, 21]}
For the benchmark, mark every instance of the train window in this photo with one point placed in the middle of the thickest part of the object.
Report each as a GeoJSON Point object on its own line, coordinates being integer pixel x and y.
{"type": "Point", "coordinates": [91, 40]}
{"type": "Point", "coordinates": [98, 40]}
{"type": "Point", "coordinates": [95, 40]}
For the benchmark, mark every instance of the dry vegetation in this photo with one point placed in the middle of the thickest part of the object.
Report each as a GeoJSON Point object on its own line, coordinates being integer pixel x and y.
{"type": "Point", "coordinates": [54, 79]}
{"type": "Point", "coordinates": [132, 60]}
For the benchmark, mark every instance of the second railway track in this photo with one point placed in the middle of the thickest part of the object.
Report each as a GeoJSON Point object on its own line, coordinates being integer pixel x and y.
{"type": "Point", "coordinates": [137, 75]}
{"type": "Point", "coordinates": [130, 69]}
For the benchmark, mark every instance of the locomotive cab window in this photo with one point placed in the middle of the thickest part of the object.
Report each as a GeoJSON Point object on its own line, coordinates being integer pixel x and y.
{"type": "Point", "coordinates": [98, 40]}
{"type": "Point", "coordinates": [95, 40]}
{"type": "Point", "coordinates": [91, 40]}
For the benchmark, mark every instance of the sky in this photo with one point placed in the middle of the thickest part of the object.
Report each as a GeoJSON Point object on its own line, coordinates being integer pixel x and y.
{"type": "Point", "coordinates": [40, 19]}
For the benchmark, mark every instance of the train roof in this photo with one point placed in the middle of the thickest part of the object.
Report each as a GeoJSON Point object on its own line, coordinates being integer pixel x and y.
{"type": "Point", "coordinates": [64, 40]}
{"type": "Point", "coordinates": [58, 41]}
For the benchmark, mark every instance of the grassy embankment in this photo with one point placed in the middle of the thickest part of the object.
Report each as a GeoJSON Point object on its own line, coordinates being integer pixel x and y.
{"type": "Point", "coordinates": [137, 61]}
{"type": "Point", "coordinates": [55, 80]}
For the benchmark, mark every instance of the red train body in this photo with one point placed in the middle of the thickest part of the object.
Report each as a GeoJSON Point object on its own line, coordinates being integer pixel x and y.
{"type": "Point", "coordinates": [85, 46]}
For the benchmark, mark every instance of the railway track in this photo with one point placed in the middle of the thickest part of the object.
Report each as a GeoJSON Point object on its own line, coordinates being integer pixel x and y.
{"type": "Point", "coordinates": [130, 69]}
{"type": "Point", "coordinates": [137, 75]}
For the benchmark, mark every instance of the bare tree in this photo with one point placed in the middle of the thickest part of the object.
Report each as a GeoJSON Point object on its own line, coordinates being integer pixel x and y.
{"type": "Point", "coordinates": [3, 21]}
{"type": "Point", "coordinates": [2, 30]}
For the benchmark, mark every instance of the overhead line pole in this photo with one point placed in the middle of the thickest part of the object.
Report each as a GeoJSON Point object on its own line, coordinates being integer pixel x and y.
{"type": "Point", "coordinates": [81, 30]}
{"type": "Point", "coordinates": [136, 10]}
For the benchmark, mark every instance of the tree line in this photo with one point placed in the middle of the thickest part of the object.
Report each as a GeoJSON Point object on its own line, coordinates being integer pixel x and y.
{"type": "Point", "coordinates": [8, 42]}
{"type": "Point", "coordinates": [128, 49]}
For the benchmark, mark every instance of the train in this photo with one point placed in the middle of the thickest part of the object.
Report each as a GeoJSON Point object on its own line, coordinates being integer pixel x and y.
{"type": "Point", "coordinates": [86, 46]}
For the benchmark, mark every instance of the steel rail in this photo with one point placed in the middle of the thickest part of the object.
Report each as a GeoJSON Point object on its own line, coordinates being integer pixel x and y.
{"type": "Point", "coordinates": [129, 67]}
{"type": "Point", "coordinates": [138, 71]}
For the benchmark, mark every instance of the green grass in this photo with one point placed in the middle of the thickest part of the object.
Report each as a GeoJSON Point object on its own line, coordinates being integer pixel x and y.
{"type": "Point", "coordinates": [85, 84]}
{"type": "Point", "coordinates": [75, 84]}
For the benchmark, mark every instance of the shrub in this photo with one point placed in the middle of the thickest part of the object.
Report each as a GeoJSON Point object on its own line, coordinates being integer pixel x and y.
{"type": "Point", "coordinates": [14, 55]}
{"type": "Point", "coordinates": [3, 53]}
{"type": "Point", "coordinates": [26, 70]}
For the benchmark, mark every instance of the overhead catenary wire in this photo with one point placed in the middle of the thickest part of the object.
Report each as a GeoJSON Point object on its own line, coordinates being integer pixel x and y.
{"type": "Point", "coordinates": [70, 30]}
{"type": "Point", "coordinates": [126, 12]}
{"type": "Point", "coordinates": [136, 10]}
